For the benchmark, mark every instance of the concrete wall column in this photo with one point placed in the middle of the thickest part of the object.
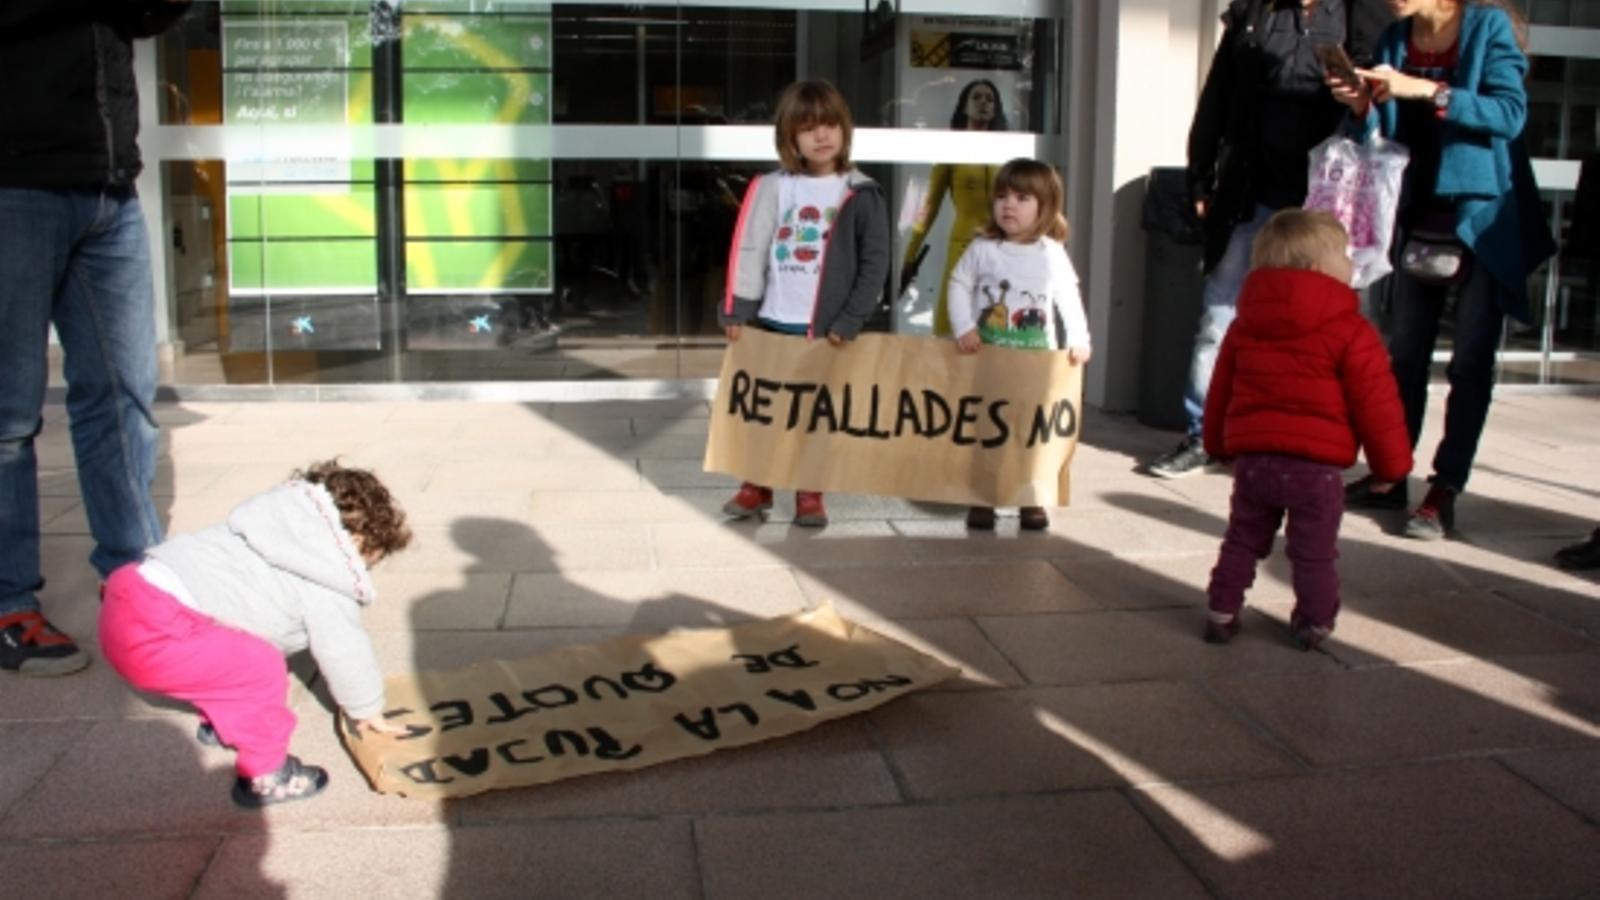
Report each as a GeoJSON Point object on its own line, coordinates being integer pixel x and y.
{"type": "Point", "coordinates": [1137, 69]}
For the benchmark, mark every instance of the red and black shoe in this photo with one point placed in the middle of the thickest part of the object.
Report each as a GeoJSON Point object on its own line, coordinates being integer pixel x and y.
{"type": "Point", "coordinates": [1435, 516]}
{"type": "Point", "coordinates": [30, 645]}
{"type": "Point", "coordinates": [752, 500]}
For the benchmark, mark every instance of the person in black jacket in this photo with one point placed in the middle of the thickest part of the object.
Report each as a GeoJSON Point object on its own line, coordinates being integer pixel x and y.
{"type": "Point", "coordinates": [74, 253]}
{"type": "Point", "coordinates": [1263, 108]}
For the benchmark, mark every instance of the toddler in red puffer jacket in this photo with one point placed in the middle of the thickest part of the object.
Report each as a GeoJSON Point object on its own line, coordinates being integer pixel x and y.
{"type": "Point", "coordinates": [1301, 383]}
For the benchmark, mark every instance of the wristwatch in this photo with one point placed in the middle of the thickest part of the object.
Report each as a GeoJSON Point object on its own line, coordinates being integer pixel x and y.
{"type": "Point", "coordinates": [1441, 98]}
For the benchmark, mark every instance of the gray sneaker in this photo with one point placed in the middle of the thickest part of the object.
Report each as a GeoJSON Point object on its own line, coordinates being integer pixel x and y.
{"type": "Point", "coordinates": [1187, 458]}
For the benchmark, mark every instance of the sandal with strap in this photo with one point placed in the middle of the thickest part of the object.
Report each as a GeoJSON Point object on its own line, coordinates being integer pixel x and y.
{"type": "Point", "coordinates": [293, 781]}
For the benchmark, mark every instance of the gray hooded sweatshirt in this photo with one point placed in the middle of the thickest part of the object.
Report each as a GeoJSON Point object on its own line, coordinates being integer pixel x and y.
{"type": "Point", "coordinates": [283, 568]}
{"type": "Point", "coordinates": [855, 267]}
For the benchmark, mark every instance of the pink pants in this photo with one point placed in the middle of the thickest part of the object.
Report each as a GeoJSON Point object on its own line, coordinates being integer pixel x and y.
{"type": "Point", "coordinates": [238, 681]}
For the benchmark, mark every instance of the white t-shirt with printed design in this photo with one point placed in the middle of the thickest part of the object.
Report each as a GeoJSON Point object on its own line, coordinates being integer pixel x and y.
{"type": "Point", "coordinates": [807, 206]}
{"type": "Point", "coordinates": [1013, 293]}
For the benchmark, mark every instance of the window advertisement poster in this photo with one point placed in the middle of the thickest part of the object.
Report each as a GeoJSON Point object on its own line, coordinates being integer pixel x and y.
{"type": "Point", "coordinates": [301, 213]}
{"type": "Point", "coordinates": [956, 73]}
{"type": "Point", "coordinates": [942, 54]}
{"type": "Point", "coordinates": [478, 226]}
{"type": "Point", "coordinates": [303, 220]}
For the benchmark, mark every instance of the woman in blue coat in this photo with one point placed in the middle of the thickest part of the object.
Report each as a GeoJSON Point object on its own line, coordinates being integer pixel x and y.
{"type": "Point", "coordinates": [1448, 84]}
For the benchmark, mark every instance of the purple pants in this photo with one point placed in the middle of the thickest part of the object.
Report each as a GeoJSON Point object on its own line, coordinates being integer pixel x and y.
{"type": "Point", "coordinates": [1265, 489]}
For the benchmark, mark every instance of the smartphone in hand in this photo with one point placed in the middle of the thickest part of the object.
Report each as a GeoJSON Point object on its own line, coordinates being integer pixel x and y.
{"type": "Point", "coordinates": [1337, 63]}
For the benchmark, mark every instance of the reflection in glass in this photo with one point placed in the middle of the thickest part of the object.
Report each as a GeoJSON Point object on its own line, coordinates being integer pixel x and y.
{"type": "Point", "coordinates": [296, 256]}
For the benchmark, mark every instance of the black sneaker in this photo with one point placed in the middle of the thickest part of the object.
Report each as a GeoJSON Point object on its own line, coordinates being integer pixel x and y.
{"type": "Point", "coordinates": [31, 646]}
{"type": "Point", "coordinates": [1582, 555]}
{"type": "Point", "coordinates": [1187, 458]}
{"type": "Point", "coordinates": [1220, 631]}
{"type": "Point", "coordinates": [1305, 635]}
{"type": "Point", "coordinates": [1359, 494]}
{"type": "Point", "coordinates": [293, 781]}
{"type": "Point", "coordinates": [980, 518]}
{"type": "Point", "coordinates": [206, 734]}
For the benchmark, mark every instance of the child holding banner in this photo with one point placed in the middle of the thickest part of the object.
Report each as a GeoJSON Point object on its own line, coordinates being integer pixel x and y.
{"type": "Point", "coordinates": [207, 618]}
{"type": "Point", "coordinates": [1015, 282]}
{"type": "Point", "coordinates": [810, 251]}
{"type": "Point", "coordinates": [1302, 380]}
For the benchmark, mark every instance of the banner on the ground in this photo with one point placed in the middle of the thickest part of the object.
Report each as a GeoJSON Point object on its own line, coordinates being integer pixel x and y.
{"type": "Point", "coordinates": [899, 416]}
{"type": "Point", "coordinates": [631, 702]}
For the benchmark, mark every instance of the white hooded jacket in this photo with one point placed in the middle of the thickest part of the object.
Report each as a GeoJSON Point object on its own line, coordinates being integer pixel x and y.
{"type": "Point", "coordinates": [283, 568]}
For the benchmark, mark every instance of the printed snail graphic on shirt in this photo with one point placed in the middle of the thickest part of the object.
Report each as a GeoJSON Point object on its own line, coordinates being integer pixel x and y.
{"type": "Point", "coordinates": [1014, 316]}
{"type": "Point", "coordinates": [802, 236]}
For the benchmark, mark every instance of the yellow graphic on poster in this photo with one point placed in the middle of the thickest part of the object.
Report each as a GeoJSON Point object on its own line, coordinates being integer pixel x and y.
{"type": "Point", "coordinates": [966, 50]}
{"type": "Point", "coordinates": [307, 223]}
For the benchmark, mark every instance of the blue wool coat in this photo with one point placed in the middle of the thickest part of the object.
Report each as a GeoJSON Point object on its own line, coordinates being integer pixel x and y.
{"type": "Point", "coordinates": [1483, 163]}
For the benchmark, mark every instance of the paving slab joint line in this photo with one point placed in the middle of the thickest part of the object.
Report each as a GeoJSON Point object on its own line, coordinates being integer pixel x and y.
{"type": "Point", "coordinates": [1168, 841]}
{"type": "Point", "coordinates": [652, 551]}
{"type": "Point", "coordinates": [902, 785]}
{"type": "Point", "coordinates": [38, 783]}
{"type": "Point", "coordinates": [505, 603]}
{"type": "Point", "coordinates": [1016, 667]}
{"type": "Point", "coordinates": [1254, 726]}
{"type": "Point", "coordinates": [200, 876]}
{"type": "Point", "coordinates": [697, 854]}
{"type": "Point", "coordinates": [1361, 768]}
{"type": "Point", "coordinates": [1574, 630]}
{"type": "Point", "coordinates": [1583, 816]}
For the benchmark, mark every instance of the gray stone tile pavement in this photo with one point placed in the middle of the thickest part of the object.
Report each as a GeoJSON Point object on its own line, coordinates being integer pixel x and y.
{"type": "Point", "coordinates": [1444, 743]}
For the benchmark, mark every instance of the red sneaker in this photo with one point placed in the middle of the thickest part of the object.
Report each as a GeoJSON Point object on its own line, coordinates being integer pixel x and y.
{"type": "Point", "coordinates": [752, 499]}
{"type": "Point", "coordinates": [808, 509]}
{"type": "Point", "coordinates": [30, 645]}
{"type": "Point", "coordinates": [1436, 515]}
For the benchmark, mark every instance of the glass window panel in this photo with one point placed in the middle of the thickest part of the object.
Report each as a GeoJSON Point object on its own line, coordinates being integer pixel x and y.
{"type": "Point", "coordinates": [331, 251]}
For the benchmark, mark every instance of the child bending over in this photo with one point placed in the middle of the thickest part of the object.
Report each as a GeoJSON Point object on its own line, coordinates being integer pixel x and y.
{"type": "Point", "coordinates": [207, 618]}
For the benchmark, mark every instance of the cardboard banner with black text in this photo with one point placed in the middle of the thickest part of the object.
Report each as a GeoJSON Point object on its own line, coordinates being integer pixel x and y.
{"type": "Point", "coordinates": [898, 416]}
{"type": "Point", "coordinates": [630, 702]}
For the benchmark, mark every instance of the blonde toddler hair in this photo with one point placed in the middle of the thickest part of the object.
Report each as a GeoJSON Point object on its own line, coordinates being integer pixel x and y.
{"type": "Point", "coordinates": [1297, 239]}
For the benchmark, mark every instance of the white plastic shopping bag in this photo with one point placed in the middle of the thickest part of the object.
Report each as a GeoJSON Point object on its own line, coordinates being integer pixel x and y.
{"type": "Point", "coordinates": [1359, 184]}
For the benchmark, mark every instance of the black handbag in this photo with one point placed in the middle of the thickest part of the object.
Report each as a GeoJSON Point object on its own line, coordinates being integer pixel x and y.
{"type": "Point", "coordinates": [1432, 254]}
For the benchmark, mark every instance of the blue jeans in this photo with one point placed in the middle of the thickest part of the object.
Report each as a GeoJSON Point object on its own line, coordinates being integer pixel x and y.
{"type": "Point", "coordinates": [1417, 309]}
{"type": "Point", "coordinates": [80, 260]}
{"type": "Point", "coordinates": [1220, 300]}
